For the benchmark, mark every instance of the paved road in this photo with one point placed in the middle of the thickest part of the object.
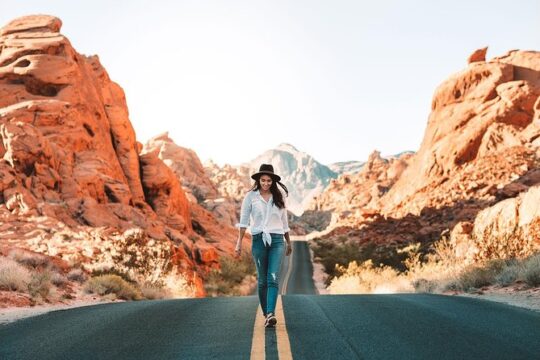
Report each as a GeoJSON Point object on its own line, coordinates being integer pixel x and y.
{"type": "Point", "coordinates": [299, 280]}
{"type": "Point", "coordinates": [389, 326]}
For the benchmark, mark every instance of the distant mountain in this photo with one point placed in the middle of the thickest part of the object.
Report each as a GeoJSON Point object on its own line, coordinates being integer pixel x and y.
{"type": "Point", "coordinates": [346, 167]}
{"type": "Point", "coordinates": [353, 167]}
{"type": "Point", "coordinates": [304, 176]}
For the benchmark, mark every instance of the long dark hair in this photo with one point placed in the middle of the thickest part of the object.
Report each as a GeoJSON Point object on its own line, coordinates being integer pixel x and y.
{"type": "Point", "coordinates": [277, 195]}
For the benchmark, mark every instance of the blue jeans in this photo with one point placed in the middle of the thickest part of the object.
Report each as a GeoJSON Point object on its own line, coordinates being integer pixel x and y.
{"type": "Point", "coordinates": [268, 261]}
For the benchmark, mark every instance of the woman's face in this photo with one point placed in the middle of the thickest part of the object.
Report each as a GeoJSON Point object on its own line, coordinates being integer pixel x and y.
{"type": "Point", "coordinates": [266, 182]}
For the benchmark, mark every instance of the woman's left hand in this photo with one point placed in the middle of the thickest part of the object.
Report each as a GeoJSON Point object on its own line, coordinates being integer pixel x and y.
{"type": "Point", "coordinates": [289, 249]}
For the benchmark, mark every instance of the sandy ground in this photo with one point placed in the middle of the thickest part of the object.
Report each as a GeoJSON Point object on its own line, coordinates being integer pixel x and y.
{"type": "Point", "coordinates": [517, 294]}
{"type": "Point", "coordinates": [11, 312]}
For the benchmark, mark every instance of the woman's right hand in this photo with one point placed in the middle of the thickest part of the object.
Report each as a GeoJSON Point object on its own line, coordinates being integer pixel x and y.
{"type": "Point", "coordinates": [237, 250]}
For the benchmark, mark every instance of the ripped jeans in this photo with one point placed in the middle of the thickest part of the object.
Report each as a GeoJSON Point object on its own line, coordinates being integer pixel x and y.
{"type": "Point", "coordinates": [268, 262]}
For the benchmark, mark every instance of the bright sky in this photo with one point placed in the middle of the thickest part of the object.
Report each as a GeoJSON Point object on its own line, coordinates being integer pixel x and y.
{"type": "Point", "coordinates": [336, 79]}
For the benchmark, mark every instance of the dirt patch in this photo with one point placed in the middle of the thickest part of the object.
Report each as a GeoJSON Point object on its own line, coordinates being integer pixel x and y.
{"type": "Point", "coordinates": [518, 294]}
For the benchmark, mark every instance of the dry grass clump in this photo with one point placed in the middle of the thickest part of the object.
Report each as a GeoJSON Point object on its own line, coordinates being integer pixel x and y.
{"type": "Point", "coordinates": [112, 284]}
{"type": "Point", "coordinates": [30, 260]}
{"type": "Point", "coordinates": [531, 270]}
{"type": "Point", "coordinates": [154, 292]}
{"type": "Point", "coordinates": [23, 275]}
{"type": "Point", "coordinates": [77, 274]}
{"type": "Point", "coordinates": [40, 284]}
{"type": "Point", "coordinates": [13, 276]}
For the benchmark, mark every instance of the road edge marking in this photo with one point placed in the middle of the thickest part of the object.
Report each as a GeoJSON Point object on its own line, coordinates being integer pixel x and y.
{"type": "Point", "coordinates": [258, 342]}
{"type": "Point", "coordinates": [283, 342]}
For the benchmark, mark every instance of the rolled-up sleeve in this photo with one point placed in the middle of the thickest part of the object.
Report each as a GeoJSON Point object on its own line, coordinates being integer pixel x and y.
{"type": "Point", "coordinates": [245, 211]}
{"type": "Point", "coordinates": [285, 219]}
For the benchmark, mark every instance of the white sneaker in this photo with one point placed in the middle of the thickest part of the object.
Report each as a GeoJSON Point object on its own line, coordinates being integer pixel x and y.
{"type": "Point", "coordinates": [270, 320]}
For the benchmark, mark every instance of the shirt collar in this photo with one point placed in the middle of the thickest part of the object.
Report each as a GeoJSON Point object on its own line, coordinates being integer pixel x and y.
{"type": "Point", "coordinates": [259, 193]}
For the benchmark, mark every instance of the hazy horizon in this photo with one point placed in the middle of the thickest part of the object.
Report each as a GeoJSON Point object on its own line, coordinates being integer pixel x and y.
{"type": "Point", "coordinates": [336, 80]}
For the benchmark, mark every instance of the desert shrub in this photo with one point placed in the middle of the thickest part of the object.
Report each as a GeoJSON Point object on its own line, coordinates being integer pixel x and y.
{"type": "Point", "coordinates": [365, 278]}
{"type": "Point", "coordinates": [340, 252]}
{"type": "Point", "coordinates": [330, 254]}
{"type": "Point", "coordinates": [232, 272]}
{"type": "Point", "coordinates": [29, 259]}
{"type": "Point", "coordinates": [154, 291]}
{"type": "Point", "coordinates": [476, 276]}
{"type": "Point", "coordinates": [77, 274]}
{"type": "Point", "coordinates": [13, 276]}
{"type": "Point", "coordinates": [510, 273]}
{"type": "Point", "coordinates": [112, 284]}
{"type": "Point", "coordinates": [424, 285]}
{"type": "Point", "coordinates": [40, 283]}
{"type": "Point", "coordinates": [58, 279]}
{"type": "Point", "coordinates": [531, 271]}
{"type": "Point", "coordinates": [113, 271]}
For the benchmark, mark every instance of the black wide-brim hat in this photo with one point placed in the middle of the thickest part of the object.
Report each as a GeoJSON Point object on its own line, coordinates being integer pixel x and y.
{"type": "Point", "coordinates": [267, 169]}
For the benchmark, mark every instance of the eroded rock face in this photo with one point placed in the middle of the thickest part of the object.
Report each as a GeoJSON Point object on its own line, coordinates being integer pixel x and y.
{"type": "Point", "coordinates": [478, 163]}
{"type": "Point", "coordinates": [480, 111]}
{"type": "Point", "coordinates": [212, 215]}
{"type": "Point", "coordinates": [69, 154]}
{"type": "Point", "coordinates": [186, 165]}
{"type": "Point", "coordinates": [362, 191]}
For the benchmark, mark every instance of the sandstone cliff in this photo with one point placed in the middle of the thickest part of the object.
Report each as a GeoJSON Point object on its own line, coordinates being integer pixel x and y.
{"type": "Point", "coordinates": [475, 173]}
{"type": "Point", "coordinates": [73, 181]}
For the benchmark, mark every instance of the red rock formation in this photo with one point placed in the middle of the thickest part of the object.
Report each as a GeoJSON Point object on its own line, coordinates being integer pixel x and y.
{"type": "Point", "coordinates": [478, 55]}
{"type": "Point", "coordinates": [186, 165]}
{"type": "Point", "coordinates": [361, 191]}
{"type": "Point", "coordinates": [483, 110]}
{"type": "Point", "coordinates": [69, 157]}
{"type": "Point", "coordinates": [213, 217]}
{"type": "Point", "coordinates": [480, 147]}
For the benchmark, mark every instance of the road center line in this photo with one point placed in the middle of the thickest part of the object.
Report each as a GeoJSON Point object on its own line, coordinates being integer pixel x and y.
{"type": "Point", "coordinates": [258, 342]}
{"type": "Point", "coordinates": [283, 343]}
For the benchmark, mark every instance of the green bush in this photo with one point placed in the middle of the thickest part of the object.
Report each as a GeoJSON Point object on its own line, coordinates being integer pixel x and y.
{"type": "Point", "coordinates": [112, 284]}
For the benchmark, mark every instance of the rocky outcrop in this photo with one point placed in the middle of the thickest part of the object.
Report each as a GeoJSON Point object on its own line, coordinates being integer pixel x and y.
{"type": "Point", "coordinates": [353, 196]}
{"type": "Point", "coordinates": [477, 165]}
{"type": "Point", "coordinates": [483, 110]}
{"type": "Point", "coordinates": [212, 215]}
{"type": "Point", "coordinates": [69, 158]}
{"type": "Point", "coordinates": [186, 165]}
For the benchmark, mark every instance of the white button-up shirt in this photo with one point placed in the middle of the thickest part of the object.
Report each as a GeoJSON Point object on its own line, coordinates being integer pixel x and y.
{"type": "Point", "coordinates": [265, 217]}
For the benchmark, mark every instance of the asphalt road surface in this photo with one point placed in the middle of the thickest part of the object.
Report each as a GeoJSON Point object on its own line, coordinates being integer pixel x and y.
{"type": "Point", "coordinates": [389, 326]}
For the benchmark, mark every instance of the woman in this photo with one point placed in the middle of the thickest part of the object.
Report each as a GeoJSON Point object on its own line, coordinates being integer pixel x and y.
{"type": "Point", "coordinates": [269, 226]}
